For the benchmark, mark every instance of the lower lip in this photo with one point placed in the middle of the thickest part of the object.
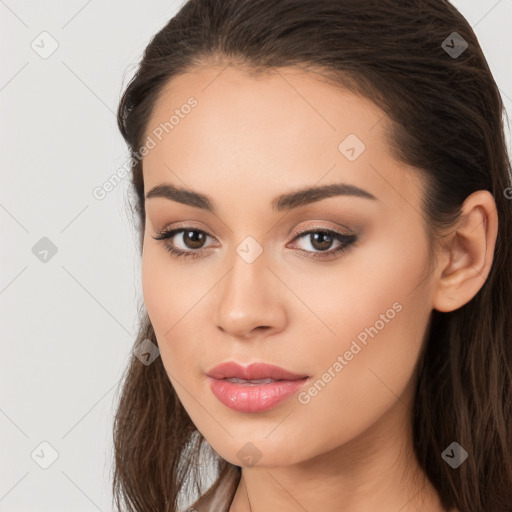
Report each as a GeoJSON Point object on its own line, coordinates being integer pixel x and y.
{"type": "Point", "coordinates": [255, 397]}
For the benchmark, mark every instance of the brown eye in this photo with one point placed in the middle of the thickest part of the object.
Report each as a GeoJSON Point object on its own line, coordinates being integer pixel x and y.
{"type": "Point", "coordinates": [193, 239]}
{"type": "Point", "coordinates": [321, 240]}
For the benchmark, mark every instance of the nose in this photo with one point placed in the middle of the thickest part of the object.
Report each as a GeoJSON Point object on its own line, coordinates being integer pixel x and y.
{"type": "Point", "coordinates": [251, 301]}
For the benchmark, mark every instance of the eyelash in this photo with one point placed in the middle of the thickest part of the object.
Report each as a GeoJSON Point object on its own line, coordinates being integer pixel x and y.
{"type": "Point", "coordinates": [346, 240]}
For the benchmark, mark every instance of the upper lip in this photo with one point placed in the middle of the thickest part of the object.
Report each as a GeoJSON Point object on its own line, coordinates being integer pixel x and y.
{"type": "Point", "coordinates": [253, 371]}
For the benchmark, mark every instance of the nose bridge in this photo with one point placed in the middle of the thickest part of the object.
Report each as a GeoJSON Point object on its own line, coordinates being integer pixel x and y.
{"type": "Point", "coordinates": [245, 284]}
{"type": "Point", "coordinates": [249, 265]}
{"type": "Point", "coordinates": [248, 299]}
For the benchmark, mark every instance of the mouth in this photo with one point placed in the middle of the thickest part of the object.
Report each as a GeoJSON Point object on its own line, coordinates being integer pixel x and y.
{"type": "Point", "coordinates": [257, 373]}
{"type": "Point", "coordinates": [255, 388]}
{"type": "Point", "coordinates": [255, 382]}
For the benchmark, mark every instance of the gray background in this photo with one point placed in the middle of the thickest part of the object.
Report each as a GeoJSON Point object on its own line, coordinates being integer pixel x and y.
{"type": "Point", "coordinates": [68, 323]}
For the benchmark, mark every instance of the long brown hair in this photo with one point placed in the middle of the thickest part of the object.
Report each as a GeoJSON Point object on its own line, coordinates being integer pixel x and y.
{"type": "Point", "coordinates": [445, 117]}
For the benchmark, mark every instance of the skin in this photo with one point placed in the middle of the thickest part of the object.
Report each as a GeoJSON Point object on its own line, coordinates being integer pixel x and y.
{"type": "Point", "coordinates": [248, 140]}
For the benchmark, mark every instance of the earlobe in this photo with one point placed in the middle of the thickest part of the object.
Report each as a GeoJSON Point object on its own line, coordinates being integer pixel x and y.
{"type": "Point", "coordinates": [471, 253]}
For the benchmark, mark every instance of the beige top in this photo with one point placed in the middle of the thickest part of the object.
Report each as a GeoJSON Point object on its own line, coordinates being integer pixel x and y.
{"type": "Point", "coordinates": [217, 501]}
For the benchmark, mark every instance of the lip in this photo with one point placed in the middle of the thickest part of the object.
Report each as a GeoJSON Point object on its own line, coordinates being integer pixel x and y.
{"type": "Point", "coordinates": [250, 397]}
{"type": "Point", "coordinates": [253, 371]}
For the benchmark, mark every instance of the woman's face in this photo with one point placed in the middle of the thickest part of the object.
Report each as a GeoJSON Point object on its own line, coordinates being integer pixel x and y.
{"type": "Point", "coordinates": [258, 288]}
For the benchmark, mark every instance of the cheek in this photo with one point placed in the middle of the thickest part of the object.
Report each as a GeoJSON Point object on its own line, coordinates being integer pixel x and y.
{"type": "Point", "coordinates": [382, 312]}
{"type": "Point", "coordinates": [172, 298]}
{"type": "Point", "coordinates": [361, 379]}
{"type": "Point", "coordinates": [164, 286]}
{"type": "Point", "coordinates": [155, 287]}
{"type": "Point", "coordinates": [159, 289]}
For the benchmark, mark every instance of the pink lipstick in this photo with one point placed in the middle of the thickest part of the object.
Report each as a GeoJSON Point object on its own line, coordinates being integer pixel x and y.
{"type": "Point", "coordinates": [254, 388]}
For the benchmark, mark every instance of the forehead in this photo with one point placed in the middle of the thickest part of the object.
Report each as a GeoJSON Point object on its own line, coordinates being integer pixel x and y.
{"type": "Point", "coordinates": [283, 127]}
{"type": "Point", "coordinates": [287, 102]}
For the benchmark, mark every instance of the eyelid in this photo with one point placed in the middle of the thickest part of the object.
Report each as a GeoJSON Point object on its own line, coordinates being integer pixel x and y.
{"type": "Point", "coordinates": [324, 226]}
{"type": "Point", "coordinates": [319, 225]}
{"type": "Point", "coordinates": [184, 225]}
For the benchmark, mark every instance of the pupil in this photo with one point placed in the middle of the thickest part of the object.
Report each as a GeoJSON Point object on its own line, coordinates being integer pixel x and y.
{"type": "Point", "coordinates": [323, 237]}
{"type": "Point", "coordinates": [194, 240]}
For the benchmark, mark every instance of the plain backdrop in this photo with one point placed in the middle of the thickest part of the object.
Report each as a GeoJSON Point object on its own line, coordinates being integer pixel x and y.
{"type": "Point", "coordinates": [69, 270]}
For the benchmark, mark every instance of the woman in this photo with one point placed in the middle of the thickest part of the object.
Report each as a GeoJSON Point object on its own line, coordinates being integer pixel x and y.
{"type": "Point", "coordinates": [323, 199]}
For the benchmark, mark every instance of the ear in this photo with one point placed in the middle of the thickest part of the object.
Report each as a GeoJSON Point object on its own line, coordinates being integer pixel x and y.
{"type": "Point", "coordinates": [469, 253]}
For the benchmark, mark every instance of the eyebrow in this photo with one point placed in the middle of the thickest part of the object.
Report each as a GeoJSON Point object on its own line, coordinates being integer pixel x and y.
{"type": "Point", "coordinates": [283, 202]}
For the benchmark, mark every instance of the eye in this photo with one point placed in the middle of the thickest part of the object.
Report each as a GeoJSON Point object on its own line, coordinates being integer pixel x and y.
{"type": "Point", "coordinates": [193, 239]}
{"type": "Point", "coordinates": [322, 239]}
